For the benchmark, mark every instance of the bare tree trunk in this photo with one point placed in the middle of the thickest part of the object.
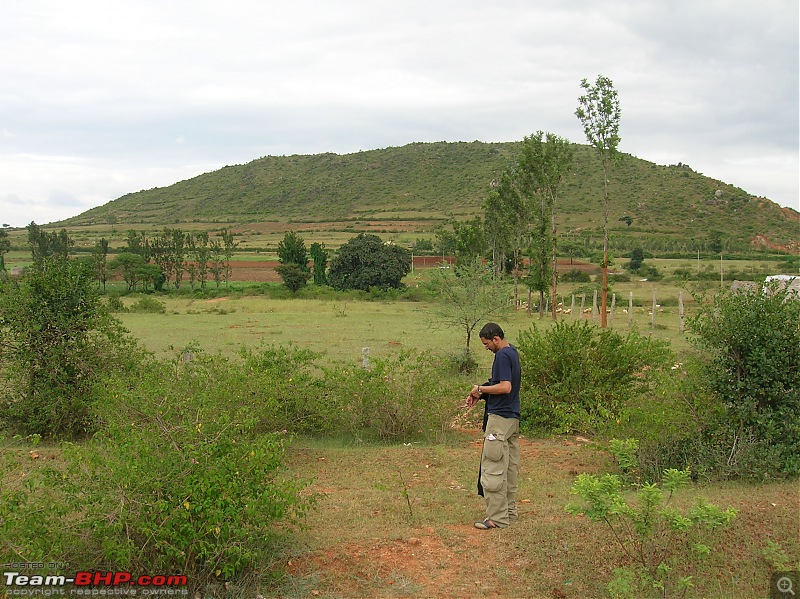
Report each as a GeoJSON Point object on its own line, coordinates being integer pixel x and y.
{"type": "Point", "coordinates": [555, 263]}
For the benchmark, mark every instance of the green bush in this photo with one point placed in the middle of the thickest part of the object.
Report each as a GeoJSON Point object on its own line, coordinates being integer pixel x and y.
{"type": "Point", "coordinates": [672, 423]}
{"type": "Point", "coordinates": [180, 478]}
{"type": "Point", "coordinates": [662, 542]}
{"type": "Point", "coordinates": [148, 305]}
{"type": "Point", "coordinates": [291, 392]}
{"type": "Point", "coordinates": [575, 276]}
{"type": "Point", "coordinates": [751, 342]}
{"type": "Point", "coordinates": [463, 362]}
{"type": "Point", "coordinates": [577, 378]}
{"type": "Point", "coordinates": [115, 304]}
{"type": "Point", "coordinates": [57, 339]}
{"type": "Point", "coordinates": [402, 398]}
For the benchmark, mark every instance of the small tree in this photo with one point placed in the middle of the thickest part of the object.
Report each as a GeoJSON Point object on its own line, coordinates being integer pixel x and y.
{"type": "Point", "coordinates": [229, 245]}
{"type": "Point", "coordinates": [365, 262]}
{"type": "Point", "coordinates": [100, 260]}
{"type": "Point", "coordinates": [130, 266]}
{"type": "Point", "coordinates": [467, 297]}
{"type": "Point", "coordinates": [599, 113]}
{"type": "Point", "coordinates": [637, 257]}
{"type": "Point", "coordinates": [292, 250]}
{"type": "Point", "coordinates": [293, 257]}
{"type": "Point", "coordinates": [320, 257]}
{"type": "Point", "coordinates": [200, 252]}
{"type": "Point", "coordinates": [56, 342]}
{"type": "Point", "coordinates": [294, 277]}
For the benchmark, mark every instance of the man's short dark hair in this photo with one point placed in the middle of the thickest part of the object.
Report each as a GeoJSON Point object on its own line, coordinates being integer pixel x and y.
{"type": "Point", "coordinates": [491, 330]}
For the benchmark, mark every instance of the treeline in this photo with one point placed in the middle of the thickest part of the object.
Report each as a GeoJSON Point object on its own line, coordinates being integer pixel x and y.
{"type": "Point", "coordinates": [172, 258]}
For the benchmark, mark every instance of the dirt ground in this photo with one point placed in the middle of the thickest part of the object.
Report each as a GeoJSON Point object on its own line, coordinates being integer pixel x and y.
{"type": "Point", "coordinates": [373, 534]}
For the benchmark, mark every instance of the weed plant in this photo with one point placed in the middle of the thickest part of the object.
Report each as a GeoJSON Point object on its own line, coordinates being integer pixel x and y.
{"type": "Point", "coordinates": [662, 542]}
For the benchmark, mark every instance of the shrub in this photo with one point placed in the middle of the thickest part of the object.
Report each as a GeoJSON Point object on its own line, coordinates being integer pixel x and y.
{"type": "Point", "coordinates": [57, 340]}
{"type": "Point", "coordinates": [660, 540]}
{"type": "Point", "coordinates": [575, 276]}
{"type": "Point", "coordinates": [672, 423]}
{"type": "Point", "coordinates": [752, 343]}
{"type": "Point", "coordinates": [180, 478]}
{"type": "Point", "coordinates": [115, 304]}
{"type": "Point", "coordinates": [148, 305]}
{"type": "Point", "coordinates": [294, 276]}
{"type": "Point", "coordinates": [463, 362]}
{"type": "Point", "coordinates": [578, 377]}
{"type": "Point", "coordinates": [401, 398]}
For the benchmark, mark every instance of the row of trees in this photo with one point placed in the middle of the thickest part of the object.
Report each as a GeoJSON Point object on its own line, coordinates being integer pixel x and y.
{"type": "Point", "coordinates": [169, 258]}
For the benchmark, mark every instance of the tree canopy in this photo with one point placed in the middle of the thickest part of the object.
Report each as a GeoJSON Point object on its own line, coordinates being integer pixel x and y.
{"type": "Point", "coordinates": [365, 261]}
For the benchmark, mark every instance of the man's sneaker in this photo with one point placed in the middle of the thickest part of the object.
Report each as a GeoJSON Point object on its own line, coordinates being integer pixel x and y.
{"type": "Point", "coordinates": [486, 525]}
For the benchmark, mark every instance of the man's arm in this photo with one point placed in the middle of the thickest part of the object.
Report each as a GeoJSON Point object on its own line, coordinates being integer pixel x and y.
{"type": "Point", "coordinates": [496, 389]}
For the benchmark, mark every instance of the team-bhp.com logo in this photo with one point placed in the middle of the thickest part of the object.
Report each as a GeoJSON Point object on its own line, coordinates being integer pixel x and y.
{"type": "Point", "coordinates": [92, 583]}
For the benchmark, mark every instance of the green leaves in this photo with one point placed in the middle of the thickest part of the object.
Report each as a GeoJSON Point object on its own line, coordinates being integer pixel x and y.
{"type": "Point", "coordinates": [599, 113]}
{"type": "Point", "coordinates": [56, 342]}
{"type": "Point", "coordinates": [752, 342]}
{"type": "Point", "coordinates": [578, 377]}
{"type": "Point", "coordinates": [365, 262]}
{"type": "Point", "coordinates": [657, 537]}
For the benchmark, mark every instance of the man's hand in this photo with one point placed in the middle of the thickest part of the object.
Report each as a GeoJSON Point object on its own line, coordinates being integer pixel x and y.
{"type": "Point", "coordinates": [471, 399]}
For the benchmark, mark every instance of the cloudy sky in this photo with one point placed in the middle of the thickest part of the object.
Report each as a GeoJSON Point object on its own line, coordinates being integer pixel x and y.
{"type": "Point", "coordinates": [104, 97]}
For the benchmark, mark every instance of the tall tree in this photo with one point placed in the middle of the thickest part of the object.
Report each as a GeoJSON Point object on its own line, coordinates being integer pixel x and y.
{"type": "Point", "coordinates": [320, 257]}
{"type": "Point", "coordinates": [292, 250]}
{"type": "Point", "coordinates": [599, 113]}
{"type": "Point", "coordinates": [508, 217]}
{"type": "Point", "coordinates": [545, 161]}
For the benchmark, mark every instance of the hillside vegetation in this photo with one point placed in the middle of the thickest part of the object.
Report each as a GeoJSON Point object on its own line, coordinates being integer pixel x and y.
{"type": "Point", "coordinates": [417, 187]}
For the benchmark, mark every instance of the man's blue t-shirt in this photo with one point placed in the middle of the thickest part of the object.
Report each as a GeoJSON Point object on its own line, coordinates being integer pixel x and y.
{"type": "Point", "coordinates": [506, 367]}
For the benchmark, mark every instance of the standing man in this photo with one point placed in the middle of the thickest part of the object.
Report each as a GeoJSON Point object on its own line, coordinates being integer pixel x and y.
{"type": "Point", "coordinates": [498, 482]}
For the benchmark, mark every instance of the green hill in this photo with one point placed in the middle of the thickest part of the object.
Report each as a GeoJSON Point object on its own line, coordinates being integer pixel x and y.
{"type": "Point", "coordinates": [672, 207]}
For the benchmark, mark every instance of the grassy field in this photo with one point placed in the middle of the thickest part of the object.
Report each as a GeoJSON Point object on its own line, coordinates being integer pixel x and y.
{"type": "Point", "coordinates": [341, 328]}
{"type": "Point", "coordinates": [396, 520]}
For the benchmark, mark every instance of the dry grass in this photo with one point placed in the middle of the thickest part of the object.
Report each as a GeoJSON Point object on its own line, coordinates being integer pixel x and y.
{"type": "Point", "coordinates": [363, 539]}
